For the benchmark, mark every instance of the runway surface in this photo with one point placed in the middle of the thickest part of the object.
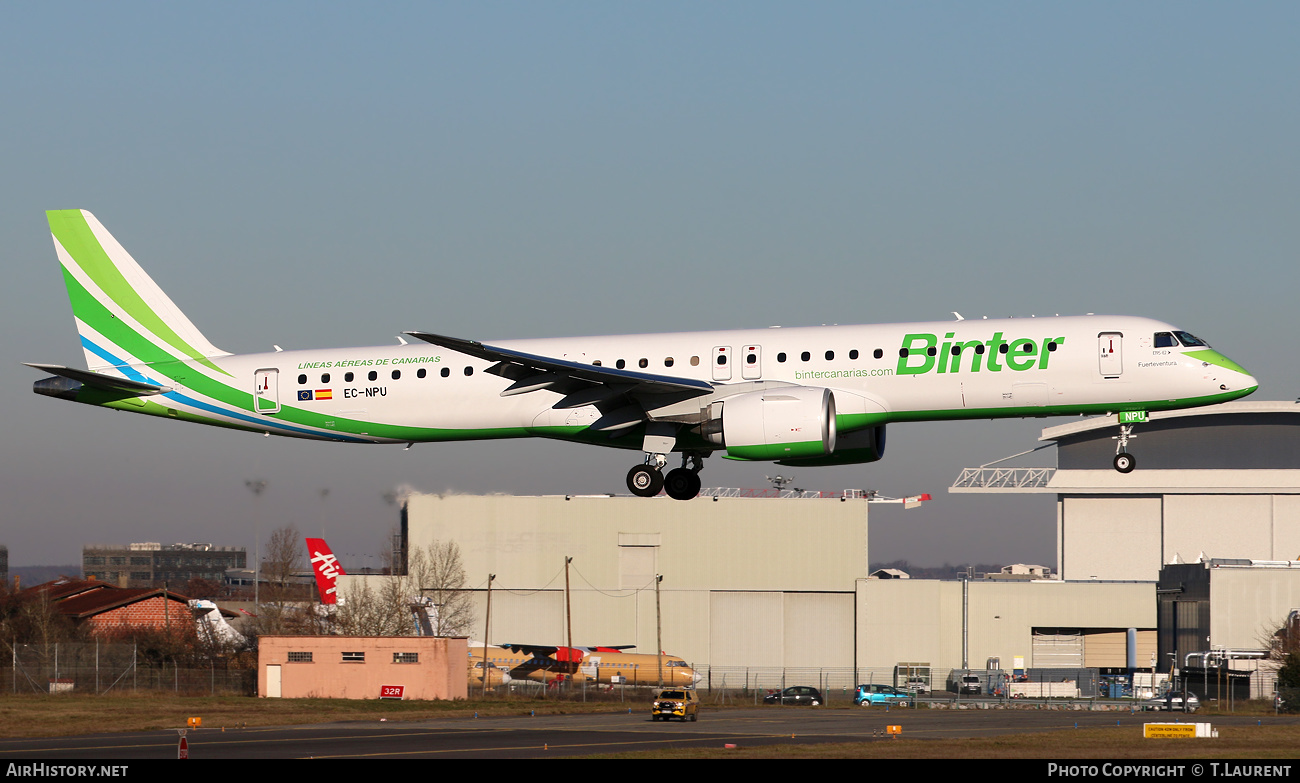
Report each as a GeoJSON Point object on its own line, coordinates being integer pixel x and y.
{"type": "Point", "coordinates": [575, 735]}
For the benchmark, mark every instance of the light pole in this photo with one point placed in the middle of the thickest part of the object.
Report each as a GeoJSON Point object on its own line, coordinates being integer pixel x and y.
{"type": "Point", "coordinates": [257, 487]}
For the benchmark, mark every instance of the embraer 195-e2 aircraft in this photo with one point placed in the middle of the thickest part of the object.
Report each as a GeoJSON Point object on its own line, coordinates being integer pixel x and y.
{"type": "Point", "coordinates": [803, 396]}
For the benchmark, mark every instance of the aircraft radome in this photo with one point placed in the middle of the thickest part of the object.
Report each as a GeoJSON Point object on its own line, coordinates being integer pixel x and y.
{"type": "Point", "coordinates": [804, 396]}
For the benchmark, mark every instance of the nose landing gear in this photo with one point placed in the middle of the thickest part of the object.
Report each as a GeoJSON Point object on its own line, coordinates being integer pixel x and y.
{"type": "Point", "coordinates": [1124, 462]}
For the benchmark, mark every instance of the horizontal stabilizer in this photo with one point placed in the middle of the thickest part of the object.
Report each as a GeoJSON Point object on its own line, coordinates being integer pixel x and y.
{"type": "Point", "coordinates": [102, 381]}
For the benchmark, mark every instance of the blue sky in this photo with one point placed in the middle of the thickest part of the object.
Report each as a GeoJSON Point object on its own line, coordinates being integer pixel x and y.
{"type": "Point", "coordinates": [325, 174]}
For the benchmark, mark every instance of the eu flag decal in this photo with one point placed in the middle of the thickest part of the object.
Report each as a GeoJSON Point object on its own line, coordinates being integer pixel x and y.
{"type": "Point", "coordinates": [304, 395]}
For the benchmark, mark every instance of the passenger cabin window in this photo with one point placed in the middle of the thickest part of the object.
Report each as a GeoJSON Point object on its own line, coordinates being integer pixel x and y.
{"type": "Point", "coordinates": [722, 359]}
{"type": "Point", "coordinates": [643, 363]}
{"type": "Point", "coordinates": [397, 374]}
{"type": "Point", "coordinates": [853, 354]}
{"type": "Point", "coordinates": [805, 356]}
{"type": "Point", "coordinates": [347, 377]}
{"type": "Point", "coordinates": [830, 356]}
{"type": "Point", "coordinates": [668, 361]}
{"type": "Point", "coordinates": [372, 375]}
{"type": "Point", "coordinates": [469, 370]}
{"type": "Point", "coordinates": [878, 353]}
{"type": "Point", "coordinates": [446, 371]}
{"type": "Point", "coordinates": [695, 361]}
{"type": "Point", "coordinates": [780, 357]}
{"type": "Point", "coordinates": [420, 373]}
{"type": "Point", "coordinates": [620, 364]}
{"type": "Point", "coordinates": [302, 380]}
{"type": "Point", "coordinates": [325, 378]}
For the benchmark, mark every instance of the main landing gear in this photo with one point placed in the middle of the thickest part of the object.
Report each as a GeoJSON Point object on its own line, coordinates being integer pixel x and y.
{"type": "Point", "coordinates": [682, 483]}
{"type": "Point", "coordinates": [1124, 462]}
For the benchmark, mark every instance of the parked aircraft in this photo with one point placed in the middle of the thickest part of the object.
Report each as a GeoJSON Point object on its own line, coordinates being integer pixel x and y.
{"type": "Point", "coordinates": [603, 665]}
{"type": "Point", "coordinates": [803, 396]}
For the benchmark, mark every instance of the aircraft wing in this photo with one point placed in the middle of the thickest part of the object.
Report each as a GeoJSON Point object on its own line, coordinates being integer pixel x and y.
{"type": "Point", "coordinates": [545, 651]}
{"type": "Point", "coordinates": [582, 384]}
{"type": "Point", "coordinates": [101, 381]}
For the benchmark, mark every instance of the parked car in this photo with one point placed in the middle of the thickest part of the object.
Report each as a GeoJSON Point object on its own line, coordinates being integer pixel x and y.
{"type": "Point", "coordinates": [918, 684]}
{"type": "Point", "coordinates": [970, 684]}
{"type": "Point", "coordinates": [681, 703]}
{"type": "Point", "coordinates": [797, 694]}
{"type": "Point", "coordinates": [879, 694]}
{"type": "Point", "coordinates": [1174, 702]}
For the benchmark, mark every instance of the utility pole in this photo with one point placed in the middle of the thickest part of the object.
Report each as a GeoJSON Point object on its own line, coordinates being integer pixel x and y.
{"type": "Point", "coordinates": [659, 631]}
{"type": "Point", "coordinates": [568, 615]}
{"type": "Point", "coordinates": [257, 487]}
{"type": "Point", "coordinates": [487, 624]}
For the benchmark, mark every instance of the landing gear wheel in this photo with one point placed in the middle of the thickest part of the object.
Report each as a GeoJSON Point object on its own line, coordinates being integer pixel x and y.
{"type": "Point", "coordinates": [1124, 462]}
{"type": "Point", "coordinates": [681, 484]}
{"type": "Point", "coordinates": [645, 481]}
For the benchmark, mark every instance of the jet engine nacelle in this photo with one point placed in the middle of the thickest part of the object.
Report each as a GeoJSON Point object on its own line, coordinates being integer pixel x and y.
{"type": "Point", "coordinates": [788, 422]}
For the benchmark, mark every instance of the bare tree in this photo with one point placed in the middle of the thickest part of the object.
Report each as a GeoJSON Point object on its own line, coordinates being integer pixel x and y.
{"type": "Point", "coordinates": [391, 605]}
{"type": "Point", "coordinates": [438, 574]}
{"type": "Point", "coordinates": [285, 553]}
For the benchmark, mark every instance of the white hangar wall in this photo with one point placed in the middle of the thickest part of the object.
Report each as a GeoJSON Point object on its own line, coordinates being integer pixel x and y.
{"type": "Point", "coordinates": [922, 620]}
{"type": "Point", "coordinates": [746, 581]}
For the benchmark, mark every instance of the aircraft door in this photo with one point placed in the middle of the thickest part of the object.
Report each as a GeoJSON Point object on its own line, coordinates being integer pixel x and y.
{"type": "Point", "coordinates": [722, 363]}
{"type": "Point", "coordinates": [1110, 353]}
{"type": "Point", "coordinates": [266, 392]}
{"type": "Point", "coordinates": [751, 363]}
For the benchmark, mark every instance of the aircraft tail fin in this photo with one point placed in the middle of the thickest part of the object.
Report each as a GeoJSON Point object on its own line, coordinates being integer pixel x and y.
{"type": "Point", "coordinates": [123, 317]}
{"type": "Point", "coordinates": [327, 568]}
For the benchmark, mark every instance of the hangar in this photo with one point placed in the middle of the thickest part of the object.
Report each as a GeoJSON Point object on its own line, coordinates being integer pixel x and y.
{"type": "Point", "coordinates": [783, 584]}
{"type": "Point", "coordinates": [754, 586]}
{"type": "Point", "coordinates": [1221, 481]}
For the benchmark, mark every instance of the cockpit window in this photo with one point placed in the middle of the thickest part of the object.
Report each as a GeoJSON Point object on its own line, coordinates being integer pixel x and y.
{"type": "Point", "coordinates": [1190, 340]}
{"type": "Point", "coordinates": [1165, 340]}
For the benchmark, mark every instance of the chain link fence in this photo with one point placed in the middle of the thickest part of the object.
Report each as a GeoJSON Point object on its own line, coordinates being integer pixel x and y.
{"type": "Point", "coordinates": [89, 667]}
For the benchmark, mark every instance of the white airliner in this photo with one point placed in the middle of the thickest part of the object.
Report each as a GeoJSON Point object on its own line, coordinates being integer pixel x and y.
{"type": "Point", "coordinates": [799, 396]}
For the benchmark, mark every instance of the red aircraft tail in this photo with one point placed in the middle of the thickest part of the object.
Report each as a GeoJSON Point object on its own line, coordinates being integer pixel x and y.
{"type": "Point", "coordinates": [327, 569]}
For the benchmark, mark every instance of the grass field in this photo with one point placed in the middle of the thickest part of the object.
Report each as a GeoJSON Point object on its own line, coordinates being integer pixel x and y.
{"type": "Point", "coordinates": [58, 716]}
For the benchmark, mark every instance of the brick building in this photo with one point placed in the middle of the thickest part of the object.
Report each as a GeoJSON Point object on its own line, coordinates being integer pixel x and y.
{"type": "Point", "coordinates": [107, 610]}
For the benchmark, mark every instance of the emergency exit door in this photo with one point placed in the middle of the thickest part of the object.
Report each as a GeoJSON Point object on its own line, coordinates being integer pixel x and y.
{"type": "Point", "coordinates": [1110, 354]}
{"type": "Point", "coordinates": [266, 392]}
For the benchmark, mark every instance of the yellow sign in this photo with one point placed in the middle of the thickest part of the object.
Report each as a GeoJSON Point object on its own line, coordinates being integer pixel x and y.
{"type": "Point", "coordinates": [1168, 730]}
{"type": "Point", "coordinates": [893, 729]}
{"type": "Point", "coordinates": [195, 723]}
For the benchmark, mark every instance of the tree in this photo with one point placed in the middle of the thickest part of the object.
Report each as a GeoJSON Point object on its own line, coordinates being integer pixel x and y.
{"type": "Point", "coordinates": [438, 574]}
{"type": "Point", "coordinates": [285, 554]}
{"type": "Point", "coordinates": [1284, 648]}
{"type": "Point", "coordinates": [387, 605]}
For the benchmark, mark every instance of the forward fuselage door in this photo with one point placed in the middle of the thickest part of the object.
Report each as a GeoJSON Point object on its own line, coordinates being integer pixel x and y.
{"type": "Point", "coordinates": [722, 363]}
{"type": "Point", "coordinates": [266, 392]}
{"type": "Point", "coordinates": [1110, 353]}
{"type": "Point", "coordinates": [751, 363]}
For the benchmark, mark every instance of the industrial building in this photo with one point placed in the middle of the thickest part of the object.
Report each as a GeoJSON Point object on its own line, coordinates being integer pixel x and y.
{"type": "Point", "coordinates": [151, 564]}
{"type": "Point", "coordinates": [1221, 481]}
{"type": "Point", "coordinates": [352, 667]}
{"type": "Point", "coordinates": [776, 583]}
{"type": "Point", "coordinates": [783, 583]}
